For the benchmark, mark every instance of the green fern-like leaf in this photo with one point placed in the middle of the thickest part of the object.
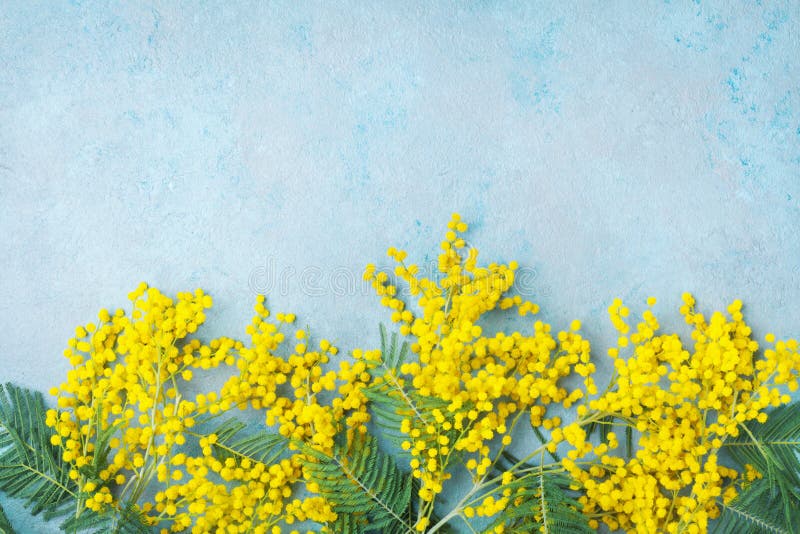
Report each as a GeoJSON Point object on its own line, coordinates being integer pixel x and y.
{"type": "Point", "coordinates": [126, 519]}
{"type": "Point", "coordinates": [392, 356]}
{"type": "Point", "coordinates": [362, 482]}
{"type": "Point", "coordinates": [264, 447]}
{"type": "Point", "coordinates": [390, 401]}
{"type": "Point", "coordinates": [31, 468]}
{"type": "Point", "coordinates": [349, 524]}
{"type": "Point", "coordinates": [129, 519]}
{"type": "Point", "coordinates": [772, 448]}
{"type": "Point", "coordinates": [758, 509]}
{"type": "Point", "coordinates": [5, 524]}
{"type": "Point", "coordinates": [543, 503]}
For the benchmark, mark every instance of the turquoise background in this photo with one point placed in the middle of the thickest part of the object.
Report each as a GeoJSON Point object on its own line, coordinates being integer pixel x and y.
{"type": "Point", "coordinates": [613, 148]}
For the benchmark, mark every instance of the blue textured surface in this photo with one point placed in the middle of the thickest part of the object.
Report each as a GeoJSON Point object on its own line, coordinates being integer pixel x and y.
{"type": "Point", "coordinates": [614, 149]}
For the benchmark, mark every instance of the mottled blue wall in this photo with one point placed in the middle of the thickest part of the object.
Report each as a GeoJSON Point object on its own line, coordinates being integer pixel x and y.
{"type": "Point", "coordinates": [614, 149]}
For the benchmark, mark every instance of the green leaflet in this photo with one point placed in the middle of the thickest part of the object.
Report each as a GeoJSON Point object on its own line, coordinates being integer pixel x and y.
{"type": "Point", "coordinates": [391, 402]}
{"type": "Point", "coordinates": [772, 447]}
{"type": "Point", "coordinates": [5, 524]}
{"type": "Point", "coordinates": [391, 356]}
{"type": "Point", "coordinates": [545, 505]}
{"type": "Point", "coordinates": [349, 523]}
{"type": "Point", "coordinates": [126, 520]}
{"type": "Point", "coordinates": [771, 504]}
{"type": "Point", "coordinates": [757, 510]}
{"type": "Point", "coordinates": [31, 468]}
{"type": "Point", "coordinates": [263, 447]}
{"type": "Point", "coordinates": [366, 488]}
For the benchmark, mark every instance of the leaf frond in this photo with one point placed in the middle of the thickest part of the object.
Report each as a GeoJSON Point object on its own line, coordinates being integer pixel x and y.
{"type": "Point", "coordinates": [758, 510]}
{"type": "Point", "coordinates": [365, 483]}
{"type": "Point", "coordinates": [542, 502]}
{"type": "Point", "coordinates": [263, 447]}
{"type": "Point", "coordinates": [772, 448]}
{"type": "Point", "coordinates": [390, 400]}
{"type": "Point", "coordinates": [125, 519]}
{"type": "Point", "coordinates": [5, 524]}
{"type": "Point", "coordinates": [31, 468]}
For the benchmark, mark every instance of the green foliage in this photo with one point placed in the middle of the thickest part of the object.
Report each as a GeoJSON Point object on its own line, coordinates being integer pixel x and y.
{"type": "Point", "coordinates": [125, 520]}
{"type": "Point", "coordinates": [773, 503]}
{"type": "Point", "coordinates": [264, 447]}
{"type": "Point", "coordinates": [758, 509]}
{"type": "Point", "coordinates": [364, 485]}
{"type": "Point", "coordinates": [772, 447]}
{"type": "Point", "coordinates": [102, 449]}
{"type": "Point", "coordinates": [391, 402]}
{"type": "Point", "coordinates": [602, 425]}
{"type": "Point", "coordinates": [392, 357]}
{"type": "Point", "coordinates": [368, 491]}
{"type": "Point", "coordinates": [5, 524]}
{"type": "Point", "coordinates": [349, 523]}
{"type": "Point", "coordinates": [31, 468]}
{"type": "Point", "coordinates": [544, 503]}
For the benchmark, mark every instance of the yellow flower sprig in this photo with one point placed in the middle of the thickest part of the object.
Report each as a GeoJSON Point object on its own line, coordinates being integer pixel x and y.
{"type": "Point", "coordinates": [120, 413]}
{"type": "Point", "coordinates": [461, 401]}
{"type": "Point", "coordinates": [476, 385]}
{"type": "Point", "coordinates": [685, 404]}
{"type": "Point", "coordinates": [125, 425]}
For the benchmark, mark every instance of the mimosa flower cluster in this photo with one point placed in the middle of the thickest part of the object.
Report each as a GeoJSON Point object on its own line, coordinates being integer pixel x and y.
{"type": "Point", "coordinates": [480, 383]}
{"type": "Point", "coordinates": [517, 413]}
{"type": "Point", "coordinates": [684, 404]}
{"type": "Point", "coordinates": [120, 411]}
{"type": "Point", "coordinates": [125, 426]}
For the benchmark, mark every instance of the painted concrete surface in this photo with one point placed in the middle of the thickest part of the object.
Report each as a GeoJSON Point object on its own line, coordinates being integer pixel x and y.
{"type": "Point", "coordinates": [614, 149]}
